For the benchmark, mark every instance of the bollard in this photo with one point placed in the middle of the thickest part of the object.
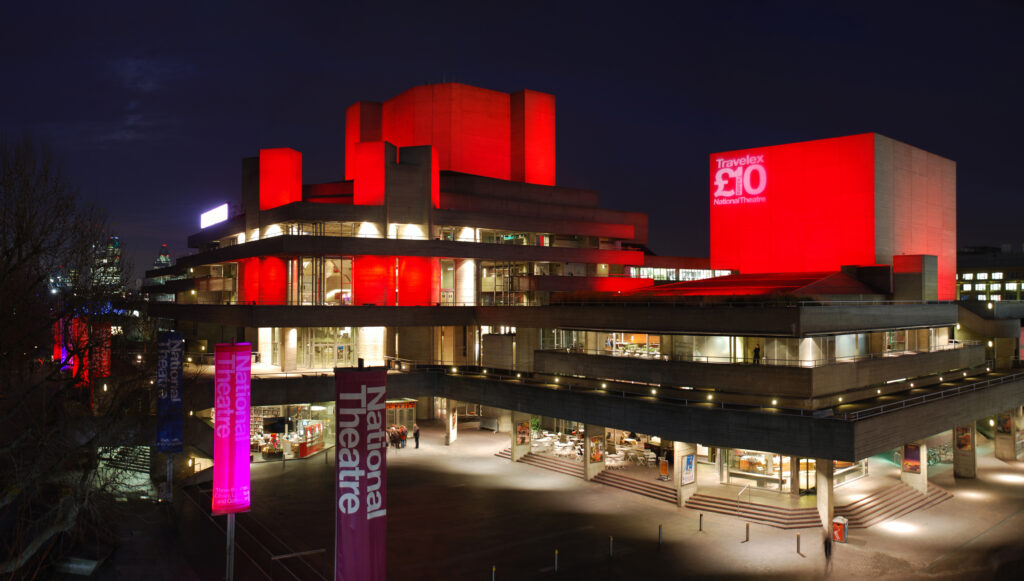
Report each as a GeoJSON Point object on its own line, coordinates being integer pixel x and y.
{"type": "Point", "coordinates": [611, 550]}
{"type": "Point", "coordinates": [556, 560]}
{"type": "Point", "coordinates": [747, 540]}
{"type": "Point", "coordinates": [493, 569]}
{"type": "Point", "coordinates": [701, 525]}
{"type": "Point", "coordinates": [798, 543]}
{"type": "Point", "coordinates": [659, 535]}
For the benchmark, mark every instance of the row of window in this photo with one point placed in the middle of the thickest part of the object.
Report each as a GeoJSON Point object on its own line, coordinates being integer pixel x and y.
{"type": "Point", "coordinates": [1010, 286]}
{"type": "Point", "coordinates": [979, 276]}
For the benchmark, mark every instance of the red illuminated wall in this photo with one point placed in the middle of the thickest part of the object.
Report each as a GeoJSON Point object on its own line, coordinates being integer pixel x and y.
{"type": "Point", "coordinates": [475, 131]}
{"type": "Point", "coordinates": [368, 187]}
{"type": "Point", "coordinates": [248, 280]}
{"type": "Point", "coordinates": [416, 281]}
{"type": "Point", "coordinates": [280, 177]}
{"type": "Point", "coordinates": [814, 210]}
{"type": "Point", "coordinates": [373, 280]}
{"type": "Point", "coordinates": [273, 281]}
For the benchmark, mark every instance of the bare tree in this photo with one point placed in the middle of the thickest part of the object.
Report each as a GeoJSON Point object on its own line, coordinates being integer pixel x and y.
{"type": "Point", "coordinates": [56, 421]}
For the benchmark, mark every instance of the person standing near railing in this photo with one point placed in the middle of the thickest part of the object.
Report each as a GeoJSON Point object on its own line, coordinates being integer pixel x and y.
{"type": "Point", "coordinates": [757, 353]}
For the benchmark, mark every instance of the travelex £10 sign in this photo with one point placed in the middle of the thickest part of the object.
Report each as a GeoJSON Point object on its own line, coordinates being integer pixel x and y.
{"type": "Point", "coordinates": [739, 180]}
{"type": "Point", "coordinates": [231, 417]}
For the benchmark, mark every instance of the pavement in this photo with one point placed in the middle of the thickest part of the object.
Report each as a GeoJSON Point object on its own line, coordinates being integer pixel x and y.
{"type": "Point", "coordinates": [457, 511]}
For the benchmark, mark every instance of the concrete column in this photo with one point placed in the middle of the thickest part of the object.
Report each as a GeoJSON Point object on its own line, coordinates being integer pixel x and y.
{"type": "Point", "coordinates": [593, 452]}
{"type": "Point", "coordinates": [684, 455]}
{"type": "Point", "coordinates": [451, 424]}
{"type": "Point", "coordinates": [916, 480]}
{"type": "Point", "coordinates": [720, 467]}
{"type": "Point", "coordinates": [289, 348]}
{"type": "Point", "coordinates": [520, 449]}
{"type": "Point", "coordinates": [794, 475]}
{"type": "Point", "coordinates": [823, 490]}
{"type": "Point", "coordinates": [1007, 429]}
{"type": "Point", "coordinates": [965, 453]}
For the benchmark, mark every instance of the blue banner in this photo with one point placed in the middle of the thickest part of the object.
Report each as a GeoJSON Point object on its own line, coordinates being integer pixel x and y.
{"type": "Point", "coordinates": [170, 351]}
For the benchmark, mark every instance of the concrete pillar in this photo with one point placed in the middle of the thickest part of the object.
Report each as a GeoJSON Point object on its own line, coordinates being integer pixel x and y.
{"type": "Point", "coordinates": [289, 348]}
{"type": "Point", "coordinates": [965, 453]}
{"type": "Point", "coordinates": [465, 282]}
{"type": "Point", "coordinates": [505, 422]}
{"type": "Point", "coordinates": [594, 451]}
{"type": "Point", "coordinates": [720, 466]}
{"type": "Point", "coordinates": [684, 470]}
{"type": "Point", "coordinates": [794, 475]}
{"type": "Point", "coordinates": [913, 476]}
{"type": "Point", "coordinates": [521, 435]}
{"type": "Point", "coordinates": [451, 424]}
{"type": "Point", "coordinates": [1007, 430]}
{"type": "Point", "coordinates": [823, 491]}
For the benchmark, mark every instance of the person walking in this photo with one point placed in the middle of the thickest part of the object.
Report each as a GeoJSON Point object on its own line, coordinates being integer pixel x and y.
{"type": "Point", "coordinates": [828, 553]}
{"type": "Point", "coordinates": [403, 433]}
{"type": "Point", "coordinates": [416, 434]}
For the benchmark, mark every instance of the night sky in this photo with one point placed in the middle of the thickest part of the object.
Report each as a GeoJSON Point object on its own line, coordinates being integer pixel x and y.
{"type": "Point", "coordinates": [152, 106]}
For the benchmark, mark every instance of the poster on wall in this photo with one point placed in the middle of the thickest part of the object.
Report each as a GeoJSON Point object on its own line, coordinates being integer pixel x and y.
{"type": "Point", "coordinates": [595, 449]}
{"type": "Point", "coordinates": [689, 468]}
{"type": "Point", "coordinates": [523, 433]}
{"type": "Point", "coordinates": [962, 438]}
{"type": "Point", "coordinates": [1003, 425]}
{"type": "Point", "coordinates": [360, 496]}
{"type": "Point", "coordinates": [231, 419]}
{"type": "Point", "coordinates": [912, 458]}
{"type": "Point", "coordinates": [170, 348]}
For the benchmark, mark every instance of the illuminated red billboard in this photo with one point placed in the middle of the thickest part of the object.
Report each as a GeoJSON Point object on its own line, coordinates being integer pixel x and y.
{"type": "Point", "coordinates": [819, 205]}
{"type": "Point", "coordinates": [361, 491]}
{"type": "Point", "coordinates": [794, 208]}
{"type": "Point", "coordinates": [231, 487]}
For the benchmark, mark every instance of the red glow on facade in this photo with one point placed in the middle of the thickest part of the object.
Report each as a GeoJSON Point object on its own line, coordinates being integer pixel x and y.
{"type": "Point", "coordinates": [370, 166]}
{"type": "Point", "coordinates": [474, 130]}
{"type": "Point", "coordinates": [373, 280]}
{"type": "Point", "coordinates": [416, 285]}
{"type": "Point", "coordinates": [794, 208]}
{"type": "Point", "coordinates": [249, 277]}
{"type": "Point", "coordinates": [280, 177]}
{"type": "Point", "coordinates": [273, 281]}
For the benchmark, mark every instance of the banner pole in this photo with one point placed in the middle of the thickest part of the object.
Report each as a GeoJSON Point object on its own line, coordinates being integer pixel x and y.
{"type": "Point", "coordinates": [231, 547]}
{"type": "Point", "coordinates": [170, 477]}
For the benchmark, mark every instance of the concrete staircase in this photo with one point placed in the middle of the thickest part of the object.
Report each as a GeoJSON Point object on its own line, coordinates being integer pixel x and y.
{"type": "Point", "coordinates": [131, 458]}
{"type": "Point", "coordinates": [774, 516]}
{"type": "Point", "coordinates": [568, 467]}
{"type": "Point", "coordinates": [890, 503]}
{"type": "Point", "coordinates": [649, 489]}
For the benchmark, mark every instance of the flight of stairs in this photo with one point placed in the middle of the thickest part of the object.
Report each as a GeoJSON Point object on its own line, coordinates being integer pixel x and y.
{"type": "Point", "coordinates": [132, 458]}
{"type": "Point", "coordinates": [775, 516]}
{"type": "Point", "coordinates": [649, 489]}
{"type": "Point", "coordinates": [569, 467]}
{"type": "Point", "coordinates": [890, 503]}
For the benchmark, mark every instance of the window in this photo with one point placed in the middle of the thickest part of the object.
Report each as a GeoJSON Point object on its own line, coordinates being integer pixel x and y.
{"type": "Point", "coordinates": [997, 276]}
{"type": "Point", "coordinates": [1011, 286]}
{"type": "Point", "coordinates": [980, 286]}
{"type": "Point", "coordinates": [968, 276]}
{"type": "Point", "coordinates": [982, 276]}
{"type": "Point", "coordinates": [996, 297]}
{"type": "Point", "coordinates": [995, 286]}
{"type": "Point", "coordinates": [981, 297]}
{"type": "Point", "coordinates": [967, 286]}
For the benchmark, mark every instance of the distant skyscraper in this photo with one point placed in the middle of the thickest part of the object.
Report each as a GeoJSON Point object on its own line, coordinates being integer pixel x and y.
{"type": "Point", "coordinates": [164, 258]}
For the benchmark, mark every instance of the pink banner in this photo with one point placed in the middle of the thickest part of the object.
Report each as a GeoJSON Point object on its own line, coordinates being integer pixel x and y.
{"type": "Point", "coordinates": [361, 493]}
{"type": "Point", "coordinates": [231, 492]}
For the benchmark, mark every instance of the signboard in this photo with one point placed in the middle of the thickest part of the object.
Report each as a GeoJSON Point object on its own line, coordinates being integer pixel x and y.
{"type": "Point", "coordinates": [689, 468]}
{"type": "Point", "coordinates": [360, 552]}
{"type": "Point", "coordinates": [595, 448]}
{"type": "Point", "coordinates": [170, 349]}
{"type": "Point", "coordinates": [523, 433]}
{"type": "Point", "coordinates": [963, 436]}
{"type": "Point", "coordinates": [214, 216]}
{"type": "Point", "coordinates": [231, 417]}
{"type": "Point", "coordinates": [912, 458]}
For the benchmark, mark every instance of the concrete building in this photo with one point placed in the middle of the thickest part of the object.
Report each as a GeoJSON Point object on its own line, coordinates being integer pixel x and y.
{"type": "Point", "coordinates": [818, 333]}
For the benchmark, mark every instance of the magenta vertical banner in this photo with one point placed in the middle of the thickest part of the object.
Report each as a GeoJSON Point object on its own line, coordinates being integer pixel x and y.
{"type": "Point", "coordinates": [360, 552]}
{"type": "Point", "coordinates": [231, 397]}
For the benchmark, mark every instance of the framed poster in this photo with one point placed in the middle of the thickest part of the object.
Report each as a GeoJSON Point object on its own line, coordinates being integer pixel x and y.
{"type": "Point", "coordinates": [689, 468]}
{"type": "Point", "coordinates": [962, 438]}
{"type": "Point", "coordinates": [912, 458]}
{"type": "Point", "coordinates": [523, 433]}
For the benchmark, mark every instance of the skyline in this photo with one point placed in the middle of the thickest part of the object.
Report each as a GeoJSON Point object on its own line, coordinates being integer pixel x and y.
{"type": "Point", "coordinates": [152, 113]}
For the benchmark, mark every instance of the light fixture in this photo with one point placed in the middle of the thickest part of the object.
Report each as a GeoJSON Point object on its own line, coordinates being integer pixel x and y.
{"type": "Point", "coordinates": [190, 360]}
{"type": "Point", "coordinates": [190, 413]}
{"type": "Point", "coordinates": [709, 397]}
{"type": "Point", "coordinates": [485, 371]}
{"type": "Point", "coordinates": [958, 326]}
{"type": "Point", "coordinates": [991, 423]}
{"type": "Point", "coordinates": [940, 378]}
{"type": "Point", "coordinates": [654, 391]}
{"type": "Point", "coordinates": [990, 306]}
{"type": "Point", "coordinates": [880, 391]}
{"type": "Point", "coordinates": [202, 347]}
{"type": "Point", "coordinates": [988, 369]}
{"type": "Point", "coordinates": [518, 375]}
{"type": "Point", "coordinates": [604, 385]}
{"type": "Point", "coordinates": [454, 369]}
{"type": "Point", "coordinates": [104, 387]}
{"type": "Point", "coordinates": [193, 291]}
{"type": "Point", "coordinates": [191, 270]}
{"type": "Point", "coordinates": [556, 380]}
{"type": "Point", "coordinates": [151, 382]}
{"type": "Point", "coordinates": [990, 343]}
{"type": "Point", "coordinates": [405, 367]}
{"type": "Point", "coordinates": [138, 357]}
{"type": "Point", "coordinates": [775, 401]}
{"type": "Point", "coordinates": [317, 408]}
{"type": "Point", "coordinates": [840, 398]}
{"type": "Point", "coordinates": [911, 384]}
{"type": "Point", "coordinates": [965, 374]}
{"type": "Point", "coordinates": [191, 462]}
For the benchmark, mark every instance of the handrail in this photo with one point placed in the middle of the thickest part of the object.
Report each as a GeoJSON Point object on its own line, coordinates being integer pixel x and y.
{"type": "Point", "coordinates": [747, 490]}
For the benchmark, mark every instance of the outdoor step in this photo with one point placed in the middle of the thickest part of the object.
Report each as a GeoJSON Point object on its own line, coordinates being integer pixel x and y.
{"type": "Point", "coordinates": [782, 522]}
{"type": "Point", "coordinates": [891, 503]}
{"type": "Point", "coordinates": [569, 468]}
{"type": "Point", "coordinates": [635, 486]}
{"type": "Point", "coordinates": [767, 508]}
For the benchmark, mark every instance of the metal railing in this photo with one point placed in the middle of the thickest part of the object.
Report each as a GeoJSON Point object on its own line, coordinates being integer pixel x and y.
{"type": "Point", "coordinates": [738, 496]}
{"type": "Point", "coordinates": [924, 398]}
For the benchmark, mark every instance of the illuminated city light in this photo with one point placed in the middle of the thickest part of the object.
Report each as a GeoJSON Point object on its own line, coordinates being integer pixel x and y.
{"type": "Point", "coordinates": [214, 216]}
{"type": "Point", "coordinates": [775, 401]}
